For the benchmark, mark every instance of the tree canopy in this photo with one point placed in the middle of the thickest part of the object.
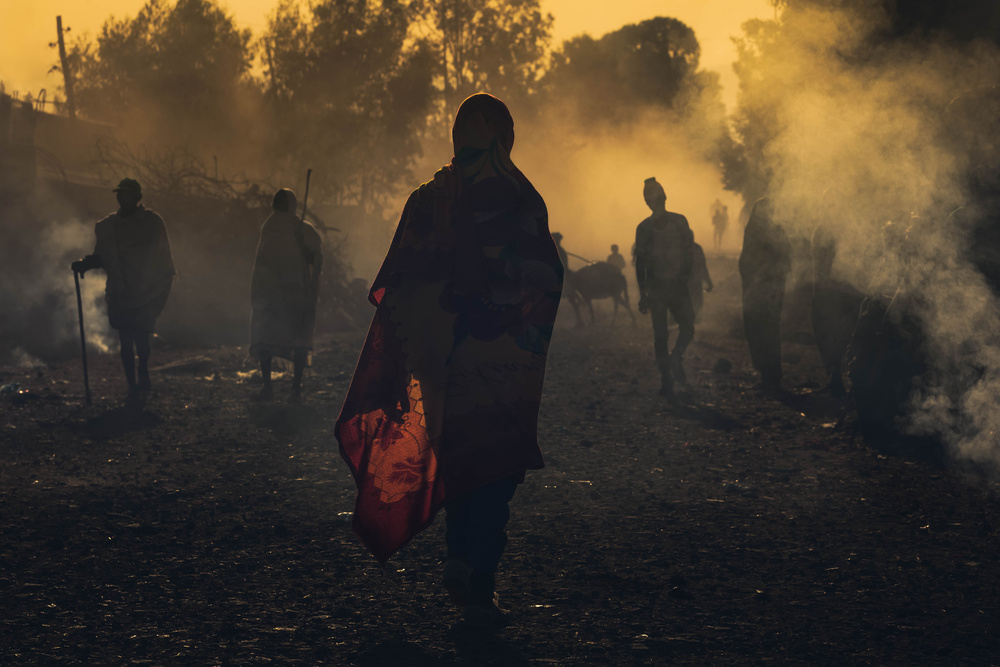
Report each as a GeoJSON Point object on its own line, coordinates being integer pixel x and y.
{"type": "Point", "coordinates": [173, 69]}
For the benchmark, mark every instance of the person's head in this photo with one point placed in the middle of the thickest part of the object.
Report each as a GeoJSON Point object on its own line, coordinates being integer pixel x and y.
{"type": "Point", "coordinates": [494, 112]}
{"type": "Point", "coordinates": [614, 248]}
{"type": "Point", "coordinates": [128, 192]}
{"type": "Point", "coordinates": [652, 192]}
{"type": "Point", "coordinates": [284, 201]}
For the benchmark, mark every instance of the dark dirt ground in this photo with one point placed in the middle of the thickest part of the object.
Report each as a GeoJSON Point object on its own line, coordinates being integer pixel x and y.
{"type": "Point", "coordinates": [739, 529]}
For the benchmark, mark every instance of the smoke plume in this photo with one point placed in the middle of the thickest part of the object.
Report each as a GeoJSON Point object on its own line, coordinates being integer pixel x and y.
{"type": "Point", "coordinates": [882, 130]}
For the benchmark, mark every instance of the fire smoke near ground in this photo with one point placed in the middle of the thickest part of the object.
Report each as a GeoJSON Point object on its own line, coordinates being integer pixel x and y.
{"type": "Point", "coordinates": [39, 298]}
{"type": "Point", "coordinates": [880, 136]}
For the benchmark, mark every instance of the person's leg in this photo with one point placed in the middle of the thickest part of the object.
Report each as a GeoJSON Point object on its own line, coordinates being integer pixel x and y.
{"type": "Point", "coordinates": [299, 365]}
{"type": "Point", "coordinates": [265, 373]}
{"type": "Point", "coordinates": [265, 368]}
{"type": "Point", "coordinates": [683, 312]}
{"type": "Point", "coordinates": [457, 571]}
{"type": "Point", "coordinates": [142, 349]}
{"type": "Point", "coordinates": [658, 314]}
{"type": "Point", "coordinates": [771, 365]}
{"type": "Point", "coordinates": [489, 512]}
{"type": "Point", "coordinates": [456, 521]}
{"type": "Point", "coordinates": [126, 340]}
{"type": "Point", "coordinates": [753, 328]}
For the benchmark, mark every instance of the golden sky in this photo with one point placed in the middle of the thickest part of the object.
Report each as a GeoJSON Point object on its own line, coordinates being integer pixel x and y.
{"type": "Point", "coordinates": [27, 27]}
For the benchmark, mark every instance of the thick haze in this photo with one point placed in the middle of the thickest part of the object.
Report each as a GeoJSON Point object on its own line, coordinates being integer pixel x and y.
{"type": "Point", "coordinates": [878, 133]}
{"type": "Point", "coordinates": [884, 137]}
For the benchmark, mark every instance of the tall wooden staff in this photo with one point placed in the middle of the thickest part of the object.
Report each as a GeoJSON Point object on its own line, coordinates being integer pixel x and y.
{"type": "Point", "coordinates": [305, 252]}
{"type": "Point", "coordinates": [83, 338]}
{"type": "Point", "coordinates": [305, 201]}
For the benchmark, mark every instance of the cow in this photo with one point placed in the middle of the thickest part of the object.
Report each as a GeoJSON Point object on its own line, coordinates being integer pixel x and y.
{"type": "Point", "coordinates": [599, 280]}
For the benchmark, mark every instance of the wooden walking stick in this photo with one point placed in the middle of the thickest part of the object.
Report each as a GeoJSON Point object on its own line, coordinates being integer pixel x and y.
{"type": "Point", "coordinates": [301, 230]}
{"type": "Point", "coordinates": [305, 197]}
{"type": "Point", "coordinates": [83, 338]}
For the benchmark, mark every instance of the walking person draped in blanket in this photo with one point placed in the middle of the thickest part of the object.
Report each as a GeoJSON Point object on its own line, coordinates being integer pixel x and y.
{"type": "Point", "coordinates": [283, 291]}
{"type": "Point", "coordinates": [133, 249]}
{"type": "Point", "coordinates": [443, 407]}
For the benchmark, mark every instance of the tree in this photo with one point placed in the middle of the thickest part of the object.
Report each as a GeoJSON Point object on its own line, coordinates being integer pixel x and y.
{"type": "Point", "coordinates": [497, 46]}
{"type": "Point", "coordinates": [350, 90]}
{"type": "Point", "coordinates": [747, 168]}
{"type": "Point", "coordinates": [652, 65]}
{"type": "Point", "coordinates": [171, 73]}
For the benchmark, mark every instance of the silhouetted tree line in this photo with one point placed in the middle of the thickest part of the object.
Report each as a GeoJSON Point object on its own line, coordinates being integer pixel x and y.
{"type": "Point", "coordinates": [358, 88]}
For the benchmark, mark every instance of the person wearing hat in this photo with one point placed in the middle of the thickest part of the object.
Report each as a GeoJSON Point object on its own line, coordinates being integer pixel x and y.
{"type": "Point", "coordinates": [133, 249]}
{"type": "Point", "coordinates": [283, 291]}
{"type": "Point", "coordinates": [664, 256]}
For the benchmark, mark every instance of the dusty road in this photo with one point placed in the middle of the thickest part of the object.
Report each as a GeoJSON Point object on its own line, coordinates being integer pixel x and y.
{"type": "Point", "coordinates": [739, 529]}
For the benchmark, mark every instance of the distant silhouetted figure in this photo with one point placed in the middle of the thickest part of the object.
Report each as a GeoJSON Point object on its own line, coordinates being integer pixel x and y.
{"type": "Point", "coordinates": [720, 220]}
{"type": "Point", "coordinates": [570, 290]}
{"type": "Point", "coordinates": [764, 266]}
{"type": "Point", "coordinates": [563, 257]}
{"type": "Point", "coordinates": [134, 251]}
{"type": "Point", "coordinates": [700, 282]}
{"type": "Point", "coordinates": [616, 259]}
{"type": "Point", "coordinates": [443, 407]}
{"type": "Point", "coordinates": [664, 256]}
{"type": "Point", "coordinates": [283, 291]}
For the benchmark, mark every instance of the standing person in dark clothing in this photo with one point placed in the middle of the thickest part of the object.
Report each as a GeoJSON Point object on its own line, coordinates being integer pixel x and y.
{"type": "Point", "coordinates": [720, 220]}
{"type": "Point", "coordinates": [443, 407]}
{"type": "Point", "coordinates": [283, 291]}
{"type": "Point", "coordinates": [563, 257]}
{"type": "Point", "coordinates": [616, 259]}
{"type": "Point", "coordinates": [664, 256]}
{"type": "Point", "coordinates": [133, 249]}
{"type": "Point", "coordinates": [764, 266]}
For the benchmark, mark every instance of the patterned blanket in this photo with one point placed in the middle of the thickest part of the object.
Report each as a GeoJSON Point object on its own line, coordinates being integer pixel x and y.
{"type": "Point", "coordinates": [446, 392]}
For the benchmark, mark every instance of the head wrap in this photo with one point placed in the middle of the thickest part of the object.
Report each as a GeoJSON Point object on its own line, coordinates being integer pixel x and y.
{"type": "Point", "coordinates": [492, 110]}
{"type": "Point", "coordinates": [651, 190]}
{"type": "Point", "coordinates": [285, 201]}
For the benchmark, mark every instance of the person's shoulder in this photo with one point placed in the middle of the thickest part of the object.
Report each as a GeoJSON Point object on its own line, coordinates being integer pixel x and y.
{"type": "Point", "coordinates": [106, 223]}
{"type": "Point", "coordinates": [312, 233]}
{"type": "Point", "coordinates": [646, 223]}
{"type": "Point", "coordinates": [151, 216]}
{"type": "Point", "coordinates": [678, 218]}
{"type": "Point", "coordinates": [424, 192]}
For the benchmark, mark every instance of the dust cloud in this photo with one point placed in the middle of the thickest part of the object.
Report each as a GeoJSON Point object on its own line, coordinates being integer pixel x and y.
{"type": "Point", "coordinates": [883, 132]}
{"type": "Point", "coordinates": [39, 297]}
{"type": "Point", "coordinates": [592, 179]}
